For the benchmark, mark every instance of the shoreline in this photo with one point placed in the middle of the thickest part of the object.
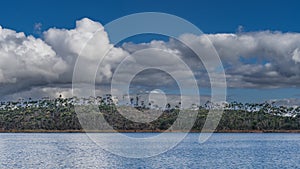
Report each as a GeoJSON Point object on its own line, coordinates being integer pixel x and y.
{"type": "Point", "coordinates": [148, 131]}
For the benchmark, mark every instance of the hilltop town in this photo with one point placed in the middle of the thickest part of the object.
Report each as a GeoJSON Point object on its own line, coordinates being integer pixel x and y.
{"type": "Point", "coordinates": [59, 114]}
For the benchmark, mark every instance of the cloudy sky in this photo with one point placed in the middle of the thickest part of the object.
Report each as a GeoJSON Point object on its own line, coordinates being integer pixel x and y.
{"type": "Point", "coordinates": [258, 43]}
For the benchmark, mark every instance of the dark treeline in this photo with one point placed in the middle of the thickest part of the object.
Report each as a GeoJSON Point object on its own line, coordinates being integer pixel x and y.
{"type": "Point", "coordinates": [59, 114]}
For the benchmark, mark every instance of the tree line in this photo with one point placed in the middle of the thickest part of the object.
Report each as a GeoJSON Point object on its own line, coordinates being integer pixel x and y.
{"type": "Point", "coordinates": [60, 114]}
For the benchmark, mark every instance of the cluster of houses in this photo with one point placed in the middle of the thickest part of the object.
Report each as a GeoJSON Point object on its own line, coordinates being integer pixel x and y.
{"type": "Point", "coordinates": [46, 101]}
{"type": "Point", "coordinates": [107, 99]}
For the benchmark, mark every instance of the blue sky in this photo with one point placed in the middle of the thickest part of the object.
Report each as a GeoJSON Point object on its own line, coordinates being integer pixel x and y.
{"type": "Point", "coordinates": [211, 17]}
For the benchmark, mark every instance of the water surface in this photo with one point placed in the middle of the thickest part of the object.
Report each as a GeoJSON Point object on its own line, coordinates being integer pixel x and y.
{"type": "Point", "coordinates": [76, 150]}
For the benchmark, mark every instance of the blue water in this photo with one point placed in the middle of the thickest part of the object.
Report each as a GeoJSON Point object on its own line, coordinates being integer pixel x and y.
{"type": "Point", "coordinates": [67, 150]}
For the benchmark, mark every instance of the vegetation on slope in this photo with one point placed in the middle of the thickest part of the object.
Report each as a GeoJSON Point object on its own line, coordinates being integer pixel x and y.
{"type": "Point", "coordinates": [59, 114]}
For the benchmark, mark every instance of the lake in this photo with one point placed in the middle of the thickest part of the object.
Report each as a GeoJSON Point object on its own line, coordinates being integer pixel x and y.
{"type": "Point", "coordinates": [222, 150]}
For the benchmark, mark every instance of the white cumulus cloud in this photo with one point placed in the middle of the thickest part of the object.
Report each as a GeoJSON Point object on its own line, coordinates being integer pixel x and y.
{"type": "Point", "coordinates": [261, 59]}
{"type": "Point", "coordinates": [25, 60]}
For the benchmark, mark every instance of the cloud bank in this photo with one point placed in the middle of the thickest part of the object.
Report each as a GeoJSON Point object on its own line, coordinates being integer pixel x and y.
{"type": "Point", "coordinates": [41, 66]}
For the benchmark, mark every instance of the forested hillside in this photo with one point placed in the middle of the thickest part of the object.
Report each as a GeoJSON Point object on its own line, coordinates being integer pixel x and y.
{"type": "Point", "coordinates": [59, 114]}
